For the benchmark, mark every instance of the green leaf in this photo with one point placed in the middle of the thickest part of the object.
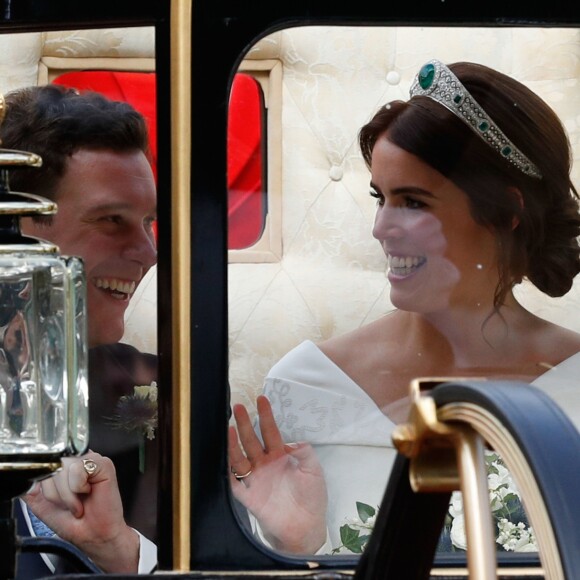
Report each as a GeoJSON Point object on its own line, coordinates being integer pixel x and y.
{"type": "Point", "coordinates": [348, 534]}
{"type": "Point", "coordinates": [365, 511]}
{"type": "Point", "coordinates": [352, 540]}
{"type": "Point", "coordinates": [360, 544]}
{"type": "Point", "coordinates": [511, 498]}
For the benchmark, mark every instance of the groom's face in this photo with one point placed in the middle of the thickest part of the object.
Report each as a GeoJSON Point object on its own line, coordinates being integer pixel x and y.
{"type": "Point", "coordinates": [106, 209]}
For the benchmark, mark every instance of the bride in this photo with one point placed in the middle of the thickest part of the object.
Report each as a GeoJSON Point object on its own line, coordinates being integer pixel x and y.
{"type": "Point", "coordinates": [471, 177]}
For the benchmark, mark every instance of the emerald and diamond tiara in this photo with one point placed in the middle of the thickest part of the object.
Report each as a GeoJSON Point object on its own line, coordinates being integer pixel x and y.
{"type": "Point", "coordinates": [437, 82]}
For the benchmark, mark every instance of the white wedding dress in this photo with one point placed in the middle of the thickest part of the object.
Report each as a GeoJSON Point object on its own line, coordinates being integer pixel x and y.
{"type": "Point", "coordinates": [315, 401]}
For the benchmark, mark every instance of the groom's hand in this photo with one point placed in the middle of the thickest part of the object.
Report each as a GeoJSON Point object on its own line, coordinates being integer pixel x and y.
{"type": "Point", "coordinates": [82, 504]}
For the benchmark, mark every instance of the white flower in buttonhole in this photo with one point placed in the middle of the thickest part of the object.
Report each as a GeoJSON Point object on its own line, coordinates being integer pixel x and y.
{"type": "Point", "coordinates": [146, 391]}
{"type": "Point", "coordinates": [138, 412]}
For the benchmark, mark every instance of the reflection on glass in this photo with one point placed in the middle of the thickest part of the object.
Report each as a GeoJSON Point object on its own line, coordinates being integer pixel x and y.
{"type": "Point", "coordinates": [34, 373]}
{"type": "Point", "coordinates": [477, 232]}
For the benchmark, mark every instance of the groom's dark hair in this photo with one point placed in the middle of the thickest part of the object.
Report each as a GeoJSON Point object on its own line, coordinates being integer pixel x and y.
{"type": "Point", "coordinates": [54, 122]}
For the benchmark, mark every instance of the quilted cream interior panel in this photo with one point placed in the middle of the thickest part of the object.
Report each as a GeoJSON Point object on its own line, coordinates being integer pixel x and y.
{"type": "Point", "coordinates": [26, 58]}
{"type": "Point", "coordinates": [331, 277]}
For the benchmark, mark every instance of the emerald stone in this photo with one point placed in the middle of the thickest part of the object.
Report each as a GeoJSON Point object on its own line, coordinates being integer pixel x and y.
{"type": "Point", "coordinates": [483, 126]}
{"type": "Point", "coordinates": [506, 151]}
{"type": "Point", "coordinates": [457, 98]}
{"type": "Point", "coordinates": [426, 76]}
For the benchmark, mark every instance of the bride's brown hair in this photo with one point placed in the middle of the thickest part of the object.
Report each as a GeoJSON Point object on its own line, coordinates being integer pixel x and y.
{"type": "Point", "coordinates": [543, 245]}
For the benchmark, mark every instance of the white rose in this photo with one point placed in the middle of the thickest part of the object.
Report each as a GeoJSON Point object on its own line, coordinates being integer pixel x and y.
{"type": "Point", "coordinates": [457, 533]}
{"type": "Point", "coordinates": [529, 547]}
{"type": "Point", "coordinates": [456, 504]}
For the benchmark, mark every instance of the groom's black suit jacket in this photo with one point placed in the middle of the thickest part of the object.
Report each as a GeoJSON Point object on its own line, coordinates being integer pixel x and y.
{"type": "Point", "coordinates": [30, 565]}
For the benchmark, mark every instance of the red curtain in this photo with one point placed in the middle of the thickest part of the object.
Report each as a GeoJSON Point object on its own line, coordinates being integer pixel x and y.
{"type": "Point", "coordinates": [137, 89]}
{"type": "Point", "coordinates": [245, 136]}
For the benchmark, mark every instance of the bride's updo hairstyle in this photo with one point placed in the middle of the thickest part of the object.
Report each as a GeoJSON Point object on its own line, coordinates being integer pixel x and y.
{"type": "Point", "coordinates": [536, 220]}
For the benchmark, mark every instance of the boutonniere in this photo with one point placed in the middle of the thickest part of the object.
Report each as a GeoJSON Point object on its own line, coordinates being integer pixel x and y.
{"type": "Point", "coordinates": [138, 412]}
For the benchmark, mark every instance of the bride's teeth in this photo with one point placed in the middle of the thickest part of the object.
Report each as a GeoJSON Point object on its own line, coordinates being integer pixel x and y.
{"type": "Point", "coordinates": [405, 265]}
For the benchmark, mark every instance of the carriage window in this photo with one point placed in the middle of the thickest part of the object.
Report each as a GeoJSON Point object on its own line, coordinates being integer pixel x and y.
{"type": "Point", "coordinates": [247, 203]}
{"type": "Point", "coordinates": [328, 332]}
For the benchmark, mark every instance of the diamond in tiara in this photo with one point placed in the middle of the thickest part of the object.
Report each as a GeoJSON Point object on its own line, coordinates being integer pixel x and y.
{"type": "Point", "coordinates": [437, 82]}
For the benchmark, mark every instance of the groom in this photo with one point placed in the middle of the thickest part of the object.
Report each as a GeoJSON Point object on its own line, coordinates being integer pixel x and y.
{"type": "Point", "coordinates": [96, 168]}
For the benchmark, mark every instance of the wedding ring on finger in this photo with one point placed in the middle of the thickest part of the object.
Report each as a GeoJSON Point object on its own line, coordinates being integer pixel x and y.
{"type": "Point", "coordinates": [89, 466]}
{"type": "Point", "coordinates": [240, 477]}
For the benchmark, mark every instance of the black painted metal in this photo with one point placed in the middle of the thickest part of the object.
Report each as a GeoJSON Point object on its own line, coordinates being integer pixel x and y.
{"type": "Point", "coordinates": [7, 539]}
{"type": "Point", "coordinates": [38, 15]}
{"type": "Point", "coordinates": [59, 547]}
{"type": "Point", "coordinates": [164, 302]}
{"type": "Point", "coordinates": [404, 514]}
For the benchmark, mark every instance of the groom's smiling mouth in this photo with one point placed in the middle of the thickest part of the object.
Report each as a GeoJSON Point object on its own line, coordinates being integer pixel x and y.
{"type": "Point", "coordinates": [116, 287]}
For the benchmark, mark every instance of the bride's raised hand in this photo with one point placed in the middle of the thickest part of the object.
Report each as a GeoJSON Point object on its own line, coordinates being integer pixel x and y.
{"type": "Point", "coordinates": [282, 485]}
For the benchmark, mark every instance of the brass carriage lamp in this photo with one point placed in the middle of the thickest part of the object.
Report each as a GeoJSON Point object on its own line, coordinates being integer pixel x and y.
{"type": "Point", "coordinates": [43, 345]}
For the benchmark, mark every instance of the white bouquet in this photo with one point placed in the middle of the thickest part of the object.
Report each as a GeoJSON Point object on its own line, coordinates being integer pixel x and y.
{"type": "Point", "coordinates": [512, 530]}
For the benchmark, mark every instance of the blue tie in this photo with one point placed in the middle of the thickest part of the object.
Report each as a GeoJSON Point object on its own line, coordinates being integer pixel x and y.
{"type": "Point", "coordinates": [39, 527]}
